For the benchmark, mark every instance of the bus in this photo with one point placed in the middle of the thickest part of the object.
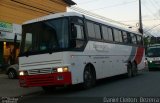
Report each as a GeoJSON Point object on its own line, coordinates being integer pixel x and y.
{"type": "Point", "coordinates": [70, 48]}
{"type": "Point", "coordinates": [153, 56]}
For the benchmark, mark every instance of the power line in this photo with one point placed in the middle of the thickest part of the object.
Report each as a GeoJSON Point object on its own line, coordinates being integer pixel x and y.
{"type": "Point", "coordinates": [121, 4]}
{"type": "Point", "coordinates": [153, 5]}
{"type": "Point", "coordinates": [156, 4]}
{"type": "Point", "coordinates": [87, 2]}
{"type": "Point", "coordinates": [150, 11]}
{"type": "Point", "coordinates": [98, 16]}
{"type": "Point", "coordinates": [150, 33]}
{"type": "Point", "coordinates": [153, 28]}
{"type": "Point", "coordinates": [138, 20]}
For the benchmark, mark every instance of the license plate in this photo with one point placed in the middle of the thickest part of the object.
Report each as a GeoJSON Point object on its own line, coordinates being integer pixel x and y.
{"type": "Point", "coordinates": [155, 58]}
{"type": "Point", "coordinates": [157, 63]}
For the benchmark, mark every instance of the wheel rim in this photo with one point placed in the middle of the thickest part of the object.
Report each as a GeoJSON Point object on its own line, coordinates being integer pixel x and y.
{"type": "Point", "coordinates": [11, 75]}
{"type": "Point", "coordinates": [88, 78]}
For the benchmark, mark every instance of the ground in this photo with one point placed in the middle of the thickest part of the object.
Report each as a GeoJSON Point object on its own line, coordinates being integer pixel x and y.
{"type": "Point", "coordinates": [146, 84]}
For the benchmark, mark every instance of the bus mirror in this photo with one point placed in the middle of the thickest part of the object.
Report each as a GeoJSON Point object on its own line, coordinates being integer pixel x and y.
{"type": "Point", "coordinates": [74, 32]}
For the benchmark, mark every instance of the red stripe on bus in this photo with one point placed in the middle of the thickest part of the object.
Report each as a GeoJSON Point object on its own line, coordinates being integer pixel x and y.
{"type": "Point", "coordinates": [139, 55]}
{"type": "Point", "coordinates": [46, 80]}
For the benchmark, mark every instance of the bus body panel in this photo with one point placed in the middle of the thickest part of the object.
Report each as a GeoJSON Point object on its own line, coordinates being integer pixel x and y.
{"type": "Point", "coordinates": [108, 60]}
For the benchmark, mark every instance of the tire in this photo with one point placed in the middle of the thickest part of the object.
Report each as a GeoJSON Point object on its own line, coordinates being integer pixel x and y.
{"type": "Point", "coordinates": [129, 70]}
{"type": "Point", "coordinates": [49, 89]}
{"type": "Point", "coordinates": [134, 69]}
{"type": "Point", "coordinates": [89, 78]}
{"type": "Point", "coordinates": [12, 74]}
{"type": "Point", "coordinates": [150, 69]}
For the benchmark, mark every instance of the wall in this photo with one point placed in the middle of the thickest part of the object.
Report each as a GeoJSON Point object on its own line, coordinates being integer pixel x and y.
{"type": "Point", "coordinates": [1, 53]}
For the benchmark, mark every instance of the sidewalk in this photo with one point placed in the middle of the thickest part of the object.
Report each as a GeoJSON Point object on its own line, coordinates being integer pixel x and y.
{"type": "Point", "coordinates": [10, 88]}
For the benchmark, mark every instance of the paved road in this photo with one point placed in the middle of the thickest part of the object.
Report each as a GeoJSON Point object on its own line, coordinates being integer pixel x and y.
{"type": "Point", "coordinates": [10, 88]}
{"type": "Point", "coordinates": [146, 84]}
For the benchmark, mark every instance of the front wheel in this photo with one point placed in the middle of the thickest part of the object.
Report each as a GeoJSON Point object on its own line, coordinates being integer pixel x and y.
{"type": "Point", "coordinates": [89, 78]}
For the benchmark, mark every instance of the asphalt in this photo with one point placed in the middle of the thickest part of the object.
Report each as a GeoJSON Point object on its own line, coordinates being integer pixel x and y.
{"type": "Point", "coordinates": [11, 88]}
{"type": "Point", "coordinates": [146, 84]}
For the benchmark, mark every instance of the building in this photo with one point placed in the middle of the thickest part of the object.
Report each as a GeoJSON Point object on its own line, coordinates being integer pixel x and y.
{"type": "Point", "coordinates": [7, 36]}
{"type": "Point", "coordinates": [13, 13]}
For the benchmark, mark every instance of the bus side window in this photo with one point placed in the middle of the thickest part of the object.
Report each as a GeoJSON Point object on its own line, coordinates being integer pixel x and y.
{"type": "Point", "coordinates": [120, 36]}
{"type": "Point", "coordinates": [125, 37]}
{"type": "Point", "coordinates": [90, 28]}
{"type": "Point", "coordinates": [110, 33]}
{"type": "Point", "coordinates": [117, 35]}
{"type": "Point", "coordinates": [134, 39]}
{"type": "Point", "coordinates": [97, 31]}
{"type": "Point", "coordinates": [80, 32]}
{"type": "Point", "coordinates": [129, 38]}
{"type": "Point", "coordinates": [77, 36]}
{"type": "Point", "coordinates": [105, 33]}
{"type": "Point", "coordinates": [139, 40]}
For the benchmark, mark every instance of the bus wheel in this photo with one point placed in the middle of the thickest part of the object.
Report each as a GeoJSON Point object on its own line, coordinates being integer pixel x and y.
{"type": "Point", "coordinates": [129, 70]}
{"type": "Point", "coordinates": [89, 77]}
{"type": "Point", "coordinates": [134, 69]}
{"type": "Point", "coordinates": [48, 89]}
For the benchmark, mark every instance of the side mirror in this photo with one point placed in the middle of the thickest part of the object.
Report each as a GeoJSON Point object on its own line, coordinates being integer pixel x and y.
{"type": "Point", "coordinates": [74, 31]}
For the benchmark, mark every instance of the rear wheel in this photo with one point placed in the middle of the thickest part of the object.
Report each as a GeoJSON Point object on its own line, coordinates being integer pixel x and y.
{"type": "Point", "coordinates": [129, 70]}
{"type": "Point", "coordinates": [134, 69]}
{"type": "Point", "coordinates": [89, 77]}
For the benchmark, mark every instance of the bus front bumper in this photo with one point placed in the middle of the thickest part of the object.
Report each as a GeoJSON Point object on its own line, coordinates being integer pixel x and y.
{"type": "Point", "coordinates": [154, 65]}
{"type": "Point", "coordinates": [54, 79]}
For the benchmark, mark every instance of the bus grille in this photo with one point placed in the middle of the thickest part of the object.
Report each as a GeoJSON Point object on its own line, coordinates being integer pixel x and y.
{"type": "Point", "coordinates": [39, 71]}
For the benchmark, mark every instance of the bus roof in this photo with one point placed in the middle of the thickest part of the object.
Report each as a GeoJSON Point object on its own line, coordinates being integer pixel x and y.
{"type": "Point", "coordinates": [65, 14]}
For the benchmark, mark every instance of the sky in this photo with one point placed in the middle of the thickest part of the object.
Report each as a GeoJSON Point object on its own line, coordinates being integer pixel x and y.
{"type": "Point", "coordinates": [127, 12]}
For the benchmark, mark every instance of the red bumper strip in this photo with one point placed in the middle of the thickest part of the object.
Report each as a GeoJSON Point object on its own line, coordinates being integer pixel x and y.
{"type": "Point", "coordinates": [55, 79]}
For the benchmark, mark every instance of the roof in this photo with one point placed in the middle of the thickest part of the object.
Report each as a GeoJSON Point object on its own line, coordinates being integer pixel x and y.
{"type": "Point", "coordinates": [52, 16]}
{"type": "Point", "coordinates": [69, 2]}
{"type": "Point", "coordinates": [19, 11]}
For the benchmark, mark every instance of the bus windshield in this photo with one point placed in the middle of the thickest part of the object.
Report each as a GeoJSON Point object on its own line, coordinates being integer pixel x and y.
{"type": "Point", "coordinates": [153, 52]}
{"type": "Point", "coordinates": [46, 35]}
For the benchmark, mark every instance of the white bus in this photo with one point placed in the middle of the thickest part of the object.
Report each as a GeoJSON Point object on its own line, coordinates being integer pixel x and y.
{"type": "Point", "coordinates": [70, 48]}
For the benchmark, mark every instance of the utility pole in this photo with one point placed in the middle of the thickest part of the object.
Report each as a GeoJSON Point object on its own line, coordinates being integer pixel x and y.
{"type": "Point", "coordinates": [140, 18]}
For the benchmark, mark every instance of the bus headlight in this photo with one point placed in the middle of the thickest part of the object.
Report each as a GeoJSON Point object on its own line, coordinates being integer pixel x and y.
{"type": "Point", "coordinates": [63, 69]}
{"type": "Point", "coordinates": [59, 69]}
{"type": "Point", "coordinates": [22, 73]}
{"type": "Point", "coordinates": [150, 61]}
